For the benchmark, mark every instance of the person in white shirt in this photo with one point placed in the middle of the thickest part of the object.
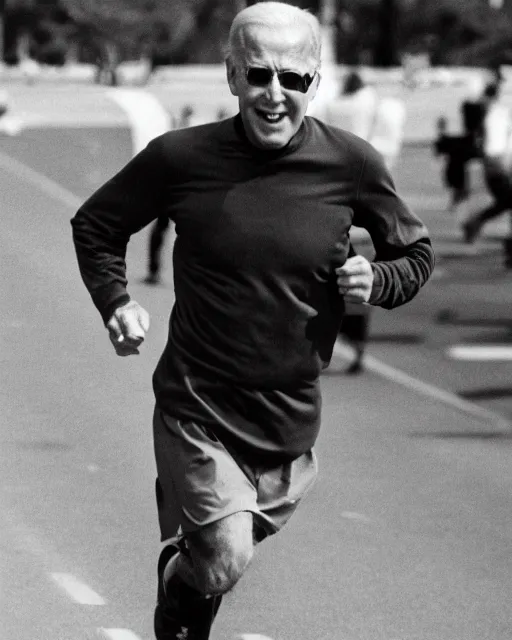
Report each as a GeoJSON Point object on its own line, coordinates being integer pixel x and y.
{"type": "Point", "coordinates": [354, 109]}
{"type": "Point", "coordinates": [360, 110]}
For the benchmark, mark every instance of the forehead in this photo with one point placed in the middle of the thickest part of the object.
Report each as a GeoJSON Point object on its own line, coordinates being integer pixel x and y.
{"type": "Point", "coordinates": [265, 46]}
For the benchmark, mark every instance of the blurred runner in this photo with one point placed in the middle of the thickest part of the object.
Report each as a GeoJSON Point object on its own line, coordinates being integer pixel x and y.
{"type": "Point", "coordinates": [461, 148]}
{"type": "Point", "coordinates": [497, 162]}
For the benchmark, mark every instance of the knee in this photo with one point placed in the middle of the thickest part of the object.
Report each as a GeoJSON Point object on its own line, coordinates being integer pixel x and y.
{"type": "Point", "coordinates": [221, 553]}
{"type": "Point", "coordinates": [218, 573]}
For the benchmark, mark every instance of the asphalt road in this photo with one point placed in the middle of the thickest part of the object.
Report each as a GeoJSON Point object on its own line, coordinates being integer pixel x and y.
{"type": "Point", "coordinates": [407, 533]}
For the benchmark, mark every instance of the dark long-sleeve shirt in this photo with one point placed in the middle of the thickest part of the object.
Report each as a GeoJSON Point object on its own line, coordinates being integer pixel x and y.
{"type": "Point", "coordinates": [259, 234]}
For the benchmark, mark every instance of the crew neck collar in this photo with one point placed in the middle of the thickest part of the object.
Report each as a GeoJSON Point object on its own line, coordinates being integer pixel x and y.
{"type": "Point", "coordinates": [292, 145]}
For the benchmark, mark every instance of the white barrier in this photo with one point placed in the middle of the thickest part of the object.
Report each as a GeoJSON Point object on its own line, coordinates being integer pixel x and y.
{"type": "Point", "coordinates": [215, 73]}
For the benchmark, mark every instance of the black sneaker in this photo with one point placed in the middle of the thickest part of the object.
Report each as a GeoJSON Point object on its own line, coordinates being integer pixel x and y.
{"type": "Point", "coordinates": [166, 624]}
{"type": "Point", "coordinates": [355, 368]}
{"type": "Point", "coordinates": [181, 613]}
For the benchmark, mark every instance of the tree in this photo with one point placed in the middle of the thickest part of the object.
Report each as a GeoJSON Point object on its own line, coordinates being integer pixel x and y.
{"type": "Point", "coordinates": [455, 33]}
{"type": "Point", "coordinates": [386, 52]}
{"type": "Point", "coordinates": [2, 29]}
{"type": "Point", "coordinates": [173, 31]}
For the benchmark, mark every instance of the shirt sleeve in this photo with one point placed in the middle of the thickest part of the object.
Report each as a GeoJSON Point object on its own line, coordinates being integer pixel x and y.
{"type": "Point", "coordinates": [104, 223]}
{"type": "Point", "coordinates": [404, 258]}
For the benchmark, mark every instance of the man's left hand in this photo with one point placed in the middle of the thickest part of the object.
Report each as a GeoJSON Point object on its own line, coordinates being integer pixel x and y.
{"type": "Point", "coordinates": [355, 279]}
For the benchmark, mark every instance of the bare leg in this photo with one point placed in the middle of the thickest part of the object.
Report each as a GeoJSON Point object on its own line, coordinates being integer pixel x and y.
{"type": "Point", "coordinates": [194, 581]}
{"type": "Point", "coordinates": [474, 223]}
{"type": "Point", "coordinates": [219, 554]}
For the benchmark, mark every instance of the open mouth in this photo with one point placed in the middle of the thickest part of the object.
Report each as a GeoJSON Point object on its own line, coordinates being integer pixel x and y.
{"type": "Point", "coordinates": [271, 118]}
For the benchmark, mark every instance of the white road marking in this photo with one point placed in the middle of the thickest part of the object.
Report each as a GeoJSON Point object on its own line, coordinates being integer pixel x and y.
{"type": "Point", "coordinates": [253, 636]}
{"type": "Point", "coordinates": [353, 515]}
{"type": "Point", "coordinates": [48, 186]}
{"type": "Point", "coordinates": [76, 590]}
{"type": "Point", "coordinates": [119, 634]}
{"type": "Point", "coordinates": [25, 539]}
{"type": "Point", "coordinates": [424, 388]}
{"type": "Point", "coordinates": [480, 353]}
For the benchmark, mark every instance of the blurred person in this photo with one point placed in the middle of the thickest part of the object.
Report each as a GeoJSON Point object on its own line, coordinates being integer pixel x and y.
{"type": "Point", "coordinates": [149, 119]}
{"type": "Point", "coordinates": [360, 110]}
{"type": "Point", "coordinates": [460, 149]}
{"type": "Point", "coordinates": [10, 123]}
{"type": "Point", "coordinates": [4, 102]}
{"type": "Point", "coordinates": [495, 74]}
{"type": "Point", "coordinates": [387, 132]}
{"type": "Point", "coordinates": [497, 164]}
{"type": "Point", "coordinates": [380, 121]}
{"type": "Point", "coordinates": [456, 153]}
{"type": "Point", "coordinates": [354, 109]}
{"type": "Point", "coordinates": [473, 111]}
{"type": "Point", "coordinates": [159, 230]}
{"type": "Point", "coordinates": [30, 70]}
{"type": "Point", "coordinates": [263, 203]}
{"type": "Point", "coordinates": [157, 237]}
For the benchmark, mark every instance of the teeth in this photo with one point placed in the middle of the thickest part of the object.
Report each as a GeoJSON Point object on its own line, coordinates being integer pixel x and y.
{"type": "Point", "coordinates": [272, 117]}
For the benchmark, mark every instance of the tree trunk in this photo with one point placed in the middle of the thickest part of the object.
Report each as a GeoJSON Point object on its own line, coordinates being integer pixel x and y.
{"type": "Point", "coordinates": [386, 49]}
{"type": "Point", "coordinates": [2, 30]}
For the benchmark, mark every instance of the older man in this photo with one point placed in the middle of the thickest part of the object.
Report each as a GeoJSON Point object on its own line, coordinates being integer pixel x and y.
{"type": "Point", "coordinates": [262, 203]}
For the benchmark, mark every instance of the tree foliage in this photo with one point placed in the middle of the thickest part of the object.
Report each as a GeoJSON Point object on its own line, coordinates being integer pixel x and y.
{"type": "Point", "coordinates": [194, 31]}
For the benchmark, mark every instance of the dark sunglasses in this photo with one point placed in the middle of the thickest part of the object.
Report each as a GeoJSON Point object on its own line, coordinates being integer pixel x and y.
{"type": "Point", "coordinates": [262, 77]}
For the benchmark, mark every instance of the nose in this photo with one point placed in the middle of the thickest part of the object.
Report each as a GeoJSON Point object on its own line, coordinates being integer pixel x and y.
{"type": "Point", "coordinates": [274, 89]}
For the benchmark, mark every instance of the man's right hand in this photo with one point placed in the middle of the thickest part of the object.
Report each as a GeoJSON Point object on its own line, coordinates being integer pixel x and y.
{"type": "Point", "coordinates": [127, 328]}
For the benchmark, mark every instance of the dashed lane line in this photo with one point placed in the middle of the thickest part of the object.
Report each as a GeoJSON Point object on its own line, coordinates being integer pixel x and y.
{"type": "Point", "coordinates": [354, 515]}
{"type": "Point", "coordinates": [118, 634]}
{"type": "Point", "coordinates": [33, 543]}
{"type": "Point", "coordinates": [77, 590]}
{"type": "Point", "coordinates": [481, 353]}
{"type": "Point", "coordinates": [28, 542]}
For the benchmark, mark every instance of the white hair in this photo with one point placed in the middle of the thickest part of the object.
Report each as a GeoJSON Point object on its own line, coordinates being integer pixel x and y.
{"type": "Point", "coordinates": [276, 16]}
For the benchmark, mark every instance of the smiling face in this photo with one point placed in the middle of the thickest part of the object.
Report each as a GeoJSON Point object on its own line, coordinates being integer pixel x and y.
{"type": "Point", "coordinates": [272, 115]}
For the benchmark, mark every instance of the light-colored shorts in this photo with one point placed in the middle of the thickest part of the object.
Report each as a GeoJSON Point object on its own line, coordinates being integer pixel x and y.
{"type": "Point", "coordinates": [199, 482]}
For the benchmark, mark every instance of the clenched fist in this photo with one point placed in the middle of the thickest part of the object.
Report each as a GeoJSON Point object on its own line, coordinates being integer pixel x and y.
{"type": "Point", "coordinates": [127, 328]}
{"type": "Point", "coordinates": [355, 279]}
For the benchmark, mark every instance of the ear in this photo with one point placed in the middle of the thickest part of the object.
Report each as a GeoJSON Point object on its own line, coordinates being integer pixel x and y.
{"type": "Point", "coordinates": [231, 76]}
{"type": "Point", "coordinates": [314, 87]}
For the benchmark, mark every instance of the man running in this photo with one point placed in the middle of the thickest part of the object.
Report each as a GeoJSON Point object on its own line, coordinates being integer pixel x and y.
{"type": "Point", "coordinates": [262, 205]}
